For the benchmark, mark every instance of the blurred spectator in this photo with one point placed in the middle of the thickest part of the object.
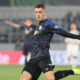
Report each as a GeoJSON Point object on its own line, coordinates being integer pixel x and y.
{"type": "Point", "coordinates": [18, 45]}
{"type": "Point", "coordinates": [68, 18]}
{"type": "Point", "coordinates": [77, 16]}
{"type": "Point", "coordinates": [77, 19]}
{"type": "Point", "coordinates": [72, 46]}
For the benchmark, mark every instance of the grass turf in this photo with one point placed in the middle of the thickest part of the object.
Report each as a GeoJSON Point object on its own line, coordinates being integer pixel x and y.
{"type": "Point", "coordinates": [13, 72]}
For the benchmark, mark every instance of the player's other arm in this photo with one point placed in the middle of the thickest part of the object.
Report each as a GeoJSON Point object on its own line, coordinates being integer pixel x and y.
{"type": "Point", "coordinates": [67, 34]}
{"type": "Point", "coordinates": [56, 29]}
{"type": "Point", "coordinates": [27, 31]}
{"type": "Point", "coordinates": [12, 24]}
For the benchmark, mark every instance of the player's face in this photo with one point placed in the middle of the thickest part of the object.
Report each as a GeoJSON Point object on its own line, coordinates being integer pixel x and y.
{"type": "Point", "coordinates": [73, 26]}
{"type": "Point", "coordinates": [40, 14]}
{"type": "Point", "coordinates": [28, 22]}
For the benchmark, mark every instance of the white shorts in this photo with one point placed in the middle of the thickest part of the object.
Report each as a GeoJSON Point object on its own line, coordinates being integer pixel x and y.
{"type": "Point", "coordinates": [71, 53]}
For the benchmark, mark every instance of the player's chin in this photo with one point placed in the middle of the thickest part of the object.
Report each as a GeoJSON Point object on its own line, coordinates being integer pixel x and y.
{"type": "Point", "coordinates": [39, 19]}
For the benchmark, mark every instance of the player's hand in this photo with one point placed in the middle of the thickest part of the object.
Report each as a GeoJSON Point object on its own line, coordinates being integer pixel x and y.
{"type": "Point", "coordinates": [27, 31]}
{"type": "Point", "coordinates": [7, 22]}
{"type": "Point", "coordinates": [35, 33]}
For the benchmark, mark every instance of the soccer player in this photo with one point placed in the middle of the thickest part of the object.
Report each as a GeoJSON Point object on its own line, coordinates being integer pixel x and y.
{"type": "Point", "coordinates": [40, 59]}
{"type": "Point", "coordinates": [72, 46]}
{"type": "Point", "coordinates": [29, 29]}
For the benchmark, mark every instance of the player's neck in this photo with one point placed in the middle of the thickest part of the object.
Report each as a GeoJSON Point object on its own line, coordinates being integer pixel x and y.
{"type": "Point", "coordinates": [73, 30]}
{"type": "Point", "coordinates": [43, 19]}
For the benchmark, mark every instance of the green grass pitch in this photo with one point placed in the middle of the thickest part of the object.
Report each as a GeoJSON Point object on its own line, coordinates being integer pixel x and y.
{"type": "Point", "coordinates": [13, 72]}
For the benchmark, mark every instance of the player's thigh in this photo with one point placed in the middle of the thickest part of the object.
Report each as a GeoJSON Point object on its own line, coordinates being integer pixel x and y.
{"type": "Point", "coordinates": [49, 75]}
{"type": "Point", "coordinates": [45, 64]}
{"type": "Point", "coordinates": [69, 53]}
{"type": "Point", "coordinates": [29, 70]}
{"type": "Point", "coordinates": [37, 73]}
{"type": "Point", "coordinates": [75, 54]}
{"type": "Point", "coordinates": [26, 76]}
{"type": "Point", "coordinates": [47, 68]}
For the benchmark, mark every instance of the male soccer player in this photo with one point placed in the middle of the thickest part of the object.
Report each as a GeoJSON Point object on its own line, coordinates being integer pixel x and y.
{"type": "Point", "coordinates": [29, 29]}
{"type": "Point", "coordinates": [72, 46]}
{"type": "Point", "coordinates": [40, 60]}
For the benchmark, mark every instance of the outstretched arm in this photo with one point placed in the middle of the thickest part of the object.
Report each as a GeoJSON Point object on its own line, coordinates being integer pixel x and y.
{"type": "Point", "coordinates": [12, 24]}
{"type": "Point", "coordinates": [66, 34]}
{"type": "Point", "coordinates": [56, 29]}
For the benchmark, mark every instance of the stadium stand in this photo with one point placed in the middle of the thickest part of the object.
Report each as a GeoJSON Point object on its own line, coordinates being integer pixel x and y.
{"type": "Point", "coordinates": [60, 15]}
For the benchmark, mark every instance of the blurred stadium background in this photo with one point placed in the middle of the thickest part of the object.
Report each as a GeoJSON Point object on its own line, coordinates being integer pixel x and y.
{"type": "Point", "coordinates": [62, 12]}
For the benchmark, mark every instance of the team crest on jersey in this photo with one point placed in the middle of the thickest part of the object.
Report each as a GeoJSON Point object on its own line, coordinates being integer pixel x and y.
{"type": "Point", "coordinates": [56, 27]}
{"type": "Point", "coordinates": [40, 27]}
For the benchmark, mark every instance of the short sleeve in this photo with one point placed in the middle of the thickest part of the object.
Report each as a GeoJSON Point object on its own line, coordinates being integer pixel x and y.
{"type": "Point", "coordinates": [22, 26]}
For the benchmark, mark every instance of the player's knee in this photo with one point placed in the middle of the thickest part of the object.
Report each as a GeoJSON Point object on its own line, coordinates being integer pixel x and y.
{"type": "Point", "coordinates": [25, 76]}
{"type": "Point", "coordinates": [50, 75]}
{"type": "Point", "coordinates": [51, 78]}
{"type": "Point", "coordinates": [74, 57]}
{"type": "Point", "coordinates": [69, 58]}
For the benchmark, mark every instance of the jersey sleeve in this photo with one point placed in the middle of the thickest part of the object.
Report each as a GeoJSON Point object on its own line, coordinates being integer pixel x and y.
{"type": "Point", "coordinates": [22, 26]}
{"type": "Point", "coordinates": [52, 27]}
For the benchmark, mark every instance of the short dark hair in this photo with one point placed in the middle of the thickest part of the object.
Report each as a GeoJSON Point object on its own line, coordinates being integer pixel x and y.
{"type": "Point", "coordinates": [73, 22]}
{"type": "Point", "coordinates": [40, 6]}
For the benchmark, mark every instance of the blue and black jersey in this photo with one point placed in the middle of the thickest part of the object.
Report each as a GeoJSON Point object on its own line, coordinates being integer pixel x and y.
{"type": "Point", "coordinates": [42, 40]}
{"type": "Point", "coordinates": [46, 31]}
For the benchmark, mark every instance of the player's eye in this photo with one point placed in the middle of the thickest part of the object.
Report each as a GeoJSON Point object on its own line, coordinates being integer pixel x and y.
{"type": "Point", "coordinates": [40, 11]}
{"type": "Point", "coordinates": [36, 12]}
